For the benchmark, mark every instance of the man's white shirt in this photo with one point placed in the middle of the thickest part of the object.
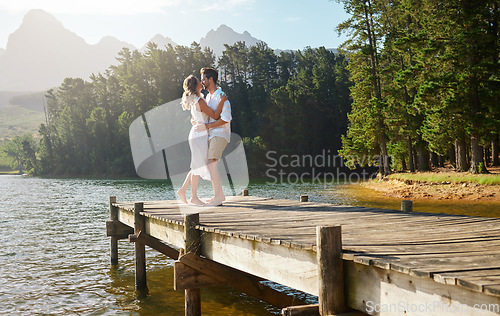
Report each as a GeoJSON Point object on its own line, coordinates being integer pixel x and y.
{"type": "Point", "coordinates": [224, 131]}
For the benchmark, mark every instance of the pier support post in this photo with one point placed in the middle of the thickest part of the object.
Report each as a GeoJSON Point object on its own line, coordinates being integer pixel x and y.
{"type": "Point", "coordinates": [140, 249]}
{"type": "Point", "coordinates": [192, 245]}
{"type": "Point", "coordinates": [304, 198]}
{"type": "Point", "coordinates": [330, 270]}
{"type": "Point", "coordinates": [407, 206]}
{"type": "Point", "coordinates": [113, 216]}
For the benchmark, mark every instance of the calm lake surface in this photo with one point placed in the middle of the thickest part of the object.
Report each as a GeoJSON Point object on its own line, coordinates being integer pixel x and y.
{"type": "Point", "coordinates": [54, 258]}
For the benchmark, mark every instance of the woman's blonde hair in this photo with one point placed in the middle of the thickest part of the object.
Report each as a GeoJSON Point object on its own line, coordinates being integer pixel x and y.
{"type": "Point", "coordinates": [190, 84]}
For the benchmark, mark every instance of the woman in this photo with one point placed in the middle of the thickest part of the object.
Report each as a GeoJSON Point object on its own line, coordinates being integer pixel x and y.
{"type": "Point", "coordinates": [193, 100]}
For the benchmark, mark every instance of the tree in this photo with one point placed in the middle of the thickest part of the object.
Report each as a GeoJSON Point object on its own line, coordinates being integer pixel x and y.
{"type": "Point", "coordinates": [424, 73]}
{"type": "Point", "coordinates": [363, 48]}
{"type": "Point", "coordinates": [21, 153]}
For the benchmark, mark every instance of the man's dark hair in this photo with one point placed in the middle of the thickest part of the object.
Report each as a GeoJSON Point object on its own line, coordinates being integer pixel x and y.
{"type": "Point", "coordinates": [210, 73]}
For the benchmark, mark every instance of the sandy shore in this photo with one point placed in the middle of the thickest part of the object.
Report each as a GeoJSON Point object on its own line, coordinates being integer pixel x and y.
{"type": "Point", "coordinates": [436, 191]}
{"type": "Point", "coordinates": [460, 190]}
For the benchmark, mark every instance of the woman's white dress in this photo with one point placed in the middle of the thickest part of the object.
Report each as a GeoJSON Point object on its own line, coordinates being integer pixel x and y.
{"type": "Point", "coordinates": [198, 141]}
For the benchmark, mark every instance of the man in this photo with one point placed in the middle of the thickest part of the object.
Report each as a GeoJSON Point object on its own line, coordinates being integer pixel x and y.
{"type": "Point", "coordinates": [219, 132]}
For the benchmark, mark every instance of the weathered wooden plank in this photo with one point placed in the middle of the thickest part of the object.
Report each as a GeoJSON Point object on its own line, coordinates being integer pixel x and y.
{"type": "Point", "coordinates": [186, 277]}
{"type": "Point", "coordinates": [240, 281]}
{"type": "Point", "coordinates": [313, 217]}
{"type": "Point", "coordinates": [319, 205]}
{"type": "Point", "coordinates": [428, 266]}
{"type": "Point", "coordinates": [451, 277]}
{"type": "Point", "coordinates": [493, 290]}
{"type": "Point", "coordinates": [302, 310]}
{"type": "Point", "coordinates": [478, 246]}
{"type": "Point", "coordinates": [172, 233]}
{"type": "Point", "coordinates": [361, 217]}
{"type": "Point", "coordinates": [280, 225]}
{"type": "Point", "coordinates": [384, 292]}
{"type": "Point", "coordinates": [478, 284]}
{"type": "Point", "coordinates": [393, 237]}
{"type": "Point", "coordinates": [157, 245]}
{"type": "Point", "coordinates": [118, 230]}
{"type": "Point", "coordinates": [297, 267]}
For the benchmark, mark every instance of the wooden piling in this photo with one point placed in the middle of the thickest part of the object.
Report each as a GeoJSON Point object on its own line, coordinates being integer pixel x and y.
{"type": "Point", "coordinates": [330, 270]}
{"type": "Point", "coordinates": [113, 216]}
{"type": "Point", "coordinates": [140, 249]}
{"type": "Point", "coordinates": [407, 206]}
{"type": "Point", "coordinates": [304, 198]}
{"type": "Point", "coordinates": [301, 310]}
{"type": "Point", "coordinates": [192, 298]}
{"type": "Point", "coordinates": [244, 192]}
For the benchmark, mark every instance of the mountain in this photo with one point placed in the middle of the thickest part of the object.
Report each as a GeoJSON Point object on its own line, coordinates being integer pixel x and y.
{"type": "Point", "coordinates": [161, 41]}
{"type": "Point", "coordinates": [279, 51]}
{"type": "Point", "coordinates": [215, 40]}
{"type": "Point", "coordinates": [41, 53]}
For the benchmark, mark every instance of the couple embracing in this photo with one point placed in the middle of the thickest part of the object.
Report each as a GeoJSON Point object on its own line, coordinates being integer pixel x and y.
{"type": "Point", "coordinates": [209, 135]}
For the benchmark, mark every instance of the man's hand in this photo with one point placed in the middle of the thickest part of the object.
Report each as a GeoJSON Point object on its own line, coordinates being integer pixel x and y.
{"type": "Point", "coordinates": [215, 124]}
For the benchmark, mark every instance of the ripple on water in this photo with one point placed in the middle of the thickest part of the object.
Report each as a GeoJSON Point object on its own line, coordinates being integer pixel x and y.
{"type": "Point", "coordinates": [54, 257]}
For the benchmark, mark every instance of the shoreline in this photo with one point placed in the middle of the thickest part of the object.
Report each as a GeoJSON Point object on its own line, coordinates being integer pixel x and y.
{"type": "Point", "coordinates": [421, 190]}
{"type": "Point", "coordinates": [10, 173]}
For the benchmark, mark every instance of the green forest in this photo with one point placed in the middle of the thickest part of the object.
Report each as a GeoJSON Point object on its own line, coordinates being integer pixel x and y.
{"type": "Point", "coordinates": [426, 83]}
{"type": "Point", "coordinates": [280, 102]}
{"type": "Point", "coordinates": [415, 85]}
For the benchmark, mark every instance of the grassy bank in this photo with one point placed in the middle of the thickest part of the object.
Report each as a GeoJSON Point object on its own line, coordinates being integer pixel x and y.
{"type": "Point", "coordinates": [9, 172]}
{"type": "Point", "coordinates": [16, 121]}
{"type": "Point", "coordinates": [451, 177]}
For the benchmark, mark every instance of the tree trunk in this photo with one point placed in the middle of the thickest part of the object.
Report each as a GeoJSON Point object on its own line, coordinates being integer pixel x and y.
{"type": "Point", "coordinates": [440, 161]}
{"type": "Point", "coordinates": [486, 154]}
{"type": "Point", "coordinates": [380, 166]}
{"type": "Point", "coordinates": [434, 160]}
{"type": "Point", "coordinates": [451, 153]}
{"type": "Point", "coordinates": [383, 152]}
{"type": "Point", "coordinates": [477, 158]}
{"type": "Point", "coordinates": [403, 163]}
{"type": "Point", "coordinates": [410, 155]}
{"type": "Point", "coordinates": [461, 155]}
{"type": "Point", "coordinates": [494, 151]}
{"type": "Point", "coordinates": [423, 156]}
{"type": "Point", "coordinates": [415, 158]}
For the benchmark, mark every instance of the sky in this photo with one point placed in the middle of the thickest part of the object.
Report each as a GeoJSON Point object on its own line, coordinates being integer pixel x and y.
{"type": "Point", "coordinates": [282, 24]}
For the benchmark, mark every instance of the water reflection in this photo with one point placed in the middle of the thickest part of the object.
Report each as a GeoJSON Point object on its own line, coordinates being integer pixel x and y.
{"type": "Point", "coordinates": [356, 194]}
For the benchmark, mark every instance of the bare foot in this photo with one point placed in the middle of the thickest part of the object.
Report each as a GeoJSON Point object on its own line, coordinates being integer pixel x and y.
{"type": "Point", "coordinates": [196, 201]}
{"type": "Point", "coordinates": [216, 198]}
{"type": "Point", "coordinates": [214, 202]}
{"type": "Point", "coordinates": [182, 195]}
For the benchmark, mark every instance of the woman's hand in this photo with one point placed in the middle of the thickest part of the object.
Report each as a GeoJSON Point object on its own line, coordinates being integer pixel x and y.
{"type": "Point", "coordinates": [200, 127]}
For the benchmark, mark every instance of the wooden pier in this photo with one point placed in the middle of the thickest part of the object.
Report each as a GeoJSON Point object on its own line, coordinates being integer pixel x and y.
{"type": "Point", "coordinates": [355, 259]}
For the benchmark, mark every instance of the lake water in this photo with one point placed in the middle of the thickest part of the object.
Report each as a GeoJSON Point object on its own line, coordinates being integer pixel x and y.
{"type": "Point", "coordinates": [54, 258]}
